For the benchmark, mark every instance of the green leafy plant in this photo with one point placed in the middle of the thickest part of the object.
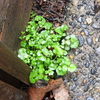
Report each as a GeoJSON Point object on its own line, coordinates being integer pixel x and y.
{"type": "Point", "coordinates": [44, 50]}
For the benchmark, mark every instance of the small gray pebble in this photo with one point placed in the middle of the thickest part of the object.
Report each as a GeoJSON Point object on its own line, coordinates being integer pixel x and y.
{"type": "Point", "coordinates": [75, 79]}
{"type": "Point", "coordinates": [91, 33]}
{"type": "Point", "coordinates": [98, 50]}
{"type": "Point", "coordinates": [96, 65]}
{"type": "Point", "coordinates": [89, 98]}
{"type": "Point", "coordinates": [82, 15]}
{"type": "Point", "coordinates": [87, 64]}
{"type": "Point", "coordinates": [73, 87]}
{"type": "Point", "coordinates": [72, 24]}
{"type": "Point", "coordinates": [89, 75]}
{"type": "Point", "coordinates": [89, 7]}
{"type": "Point", "coordinates": [96, 74]}
{"type": "Point", "coordinates": [90, 80]}
{"type": "Point", "coordinates": [86, 87]}
{"type": "Point", "coordinates": [84, 2]}
{"type": "Point", "coordinates": [83, 57]}
{"type": "Point", "coordinates": [84, 25]}
{"type": "Point", "coordinates": [90, 56]}
{"type": "Point", "coordinates": [92, 14]}
{"type": "Point", "coordinates": [86, 32]}
{"type": "Point", "coordinates": [80, 19]}
{"type": "Point", "coordinates": [76, 99]}
{"type": "Point", "coordinates": [81, 40]}
{"type": "Point", "coordinates": [96, 25]}
{"type": "Point", "coordinates": [93, 82]}
{"type": "Point", "coordinates": [74, 16]}
{"type": "Point", "coordinates": [88, 12]}
{"type": "Point", "coordinates": [97, 17]}
{"type": "Point", "coordinates": [89, 41]}
{"type": "Point", "coordinates": [99, 39]}
{"type": "Point", "coordinates": [93, 71]}
{"type": "Point", "coordinates": [93, 8]}
{"type": "Point", "coordinates": [80, 4]}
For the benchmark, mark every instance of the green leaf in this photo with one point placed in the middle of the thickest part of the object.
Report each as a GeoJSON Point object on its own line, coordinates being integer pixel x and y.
{"type": "Point", "coordinates": [60, 71]}
{"type": "Point", "coordinates": [40, 65]}
{"type": "Point", "coordinates": [58, 30]}
{"type": "Point", "coordinates": [41, 70]}
{"type": "Point", "coordinates": [32, 14]}
{"type": "Point", "coordinates": [72, 37]}
{"type": "Point", "coordinates": [22, 32]}
{"type": "Point", "coordinates": [59, 60]}
{"type": "Point", "coordinates": [72, 68]}
{"type": "Point", "coordinates": [21, 37]}
{"type": "Point", "coordinates": [67, 61]}
{"type": "Point", "coordinates": [40, 76]}
{"type": "Point", "coordinates": [42, 58]}
{"type": "Point", "coordinates": [47, 25]}
{"type": "Point", "coordinates": [31, 79]}
{"type": "Point", "coordinates": [67, 48]}
{"type": "Point", "coordinates": [33, 61]}
{"type": "Point", "coordinates": [39, 53]}
{"type": "Point", "coordinates": [47, 62]}
{"type": "Point", "coordinates": [44, 33]}
{"type": "Point", "coordinates": [42, 22]}
{"type": "Point", "coordinates": [38, 18]}
{"type": "Point", "coordinates": [53, 66]}
{"type": "Point", "coordinates": [61, 29]}
{"type": "Point", "coordinates": [23, 44]}
{"type": "Point", "coordinates": [46, 78]}
{"type": "Point", "coordinates": [58, 51]}
{"type": "Point", "coordinates": [45, 51]}
{"type": "Point", "coordinates": [31, 43]}
{"type": "Point", "coordinates": [64, 67]}
{"type": "Point", "coordinates": [22, 53]}
{"type": "Point", "coordinates": [74, 45]}
{"type": "Point", "coordinates": [64, 27]}
{"type": "Point", "coordinates": [67, 42]}
{"type": "Point", "coordinates": [49, 72]}
{"type": "Point", "coordinates": [68, 37]}
{"type": "Point", "coordinates": [28, 37]}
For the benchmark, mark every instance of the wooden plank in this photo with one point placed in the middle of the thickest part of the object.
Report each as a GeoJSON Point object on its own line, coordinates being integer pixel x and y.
{"type": "Point", "coordinates": [3, 10]}
{"type": "Point", "coordinates": [7, 78]}
{"type": "Point", "coordinates": [15, 15]}
{"type": "Point", "coordinates": [11, 64]}
{"type": "Point", "coordinates": [8, 92]}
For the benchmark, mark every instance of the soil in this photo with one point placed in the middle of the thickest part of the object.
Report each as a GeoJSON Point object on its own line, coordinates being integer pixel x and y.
{"type": "Point", "coordinates": [83, 19]}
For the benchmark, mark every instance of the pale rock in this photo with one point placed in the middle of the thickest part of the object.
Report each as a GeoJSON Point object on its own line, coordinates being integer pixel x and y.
{"type": "Point", "coordinates": [98, 50]}
{"type": "Point", "coordinates": [81, 10]}
{"type": "Point", "coordinates": [75, 2]}
{"type": "Point", "coordinates": [89, 20]}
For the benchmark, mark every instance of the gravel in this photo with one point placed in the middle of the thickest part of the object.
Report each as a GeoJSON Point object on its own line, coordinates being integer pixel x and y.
{"type": "Point", "coordinates": [84, 83]}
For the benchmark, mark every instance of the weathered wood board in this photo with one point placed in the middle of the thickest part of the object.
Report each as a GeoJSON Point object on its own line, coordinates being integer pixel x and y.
{"type": "Point", "coordinates": [14, 15]}
{"type": "Point", "coordinates": [11, 64]}
{"type": "Point", "coordinates": [8, 92]}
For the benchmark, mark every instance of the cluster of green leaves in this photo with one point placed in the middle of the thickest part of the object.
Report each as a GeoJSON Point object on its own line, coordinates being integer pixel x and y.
{"type": "Point", "coordinates": [44, 50]}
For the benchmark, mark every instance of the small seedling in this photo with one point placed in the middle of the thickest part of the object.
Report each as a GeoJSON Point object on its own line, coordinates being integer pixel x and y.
{"type": "Point", "coordinates": [44, 50]}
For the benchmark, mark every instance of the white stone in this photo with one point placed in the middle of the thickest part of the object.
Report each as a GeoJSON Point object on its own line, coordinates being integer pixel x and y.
{"type": "Point", "coordinates": [98, 50]}
{"type": "Point", "coordinates": [89, 20]}
{"type": "Point", "coordinates": [75, 2]}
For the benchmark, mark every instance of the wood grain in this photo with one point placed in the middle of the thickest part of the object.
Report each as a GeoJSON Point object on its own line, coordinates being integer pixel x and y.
{"type": "Point", "coordinates": [8, 92]}
{"type": "Point", "coordinates": [11, 64]}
